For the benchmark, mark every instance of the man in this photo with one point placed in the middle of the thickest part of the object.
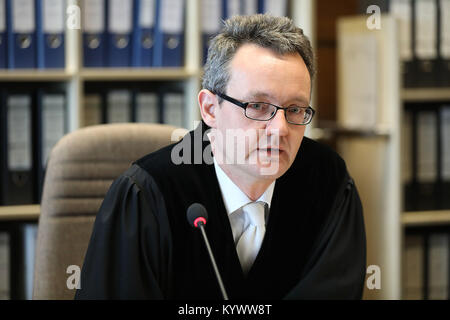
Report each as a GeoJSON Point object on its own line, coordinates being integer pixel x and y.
{"type": "Point", "coordinates": [285, 219]}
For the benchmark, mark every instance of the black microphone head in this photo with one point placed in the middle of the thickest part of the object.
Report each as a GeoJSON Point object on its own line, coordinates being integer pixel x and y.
{"type": "Point", "coordinates": [195, 213]}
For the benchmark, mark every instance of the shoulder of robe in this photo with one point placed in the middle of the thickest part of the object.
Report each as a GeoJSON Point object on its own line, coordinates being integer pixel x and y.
{"type": "Point", "coordinates": [322, 161]}
{"type": "Point", "coordinates": [157, 161]}
{"type": "Point", "coordinates": [165, 168]}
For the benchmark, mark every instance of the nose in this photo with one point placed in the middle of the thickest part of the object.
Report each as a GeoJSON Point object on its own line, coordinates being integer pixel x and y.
{"type": "Point", "coordinates": [278, 122]}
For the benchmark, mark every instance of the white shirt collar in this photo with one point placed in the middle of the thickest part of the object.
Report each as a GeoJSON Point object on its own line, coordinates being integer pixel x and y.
{"type": "Point", "coordinates": [233, 197]}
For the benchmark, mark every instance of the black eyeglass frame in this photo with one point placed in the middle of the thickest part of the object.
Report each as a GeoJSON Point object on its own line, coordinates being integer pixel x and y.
{"type": "Point", "coordinates": [244, 105]}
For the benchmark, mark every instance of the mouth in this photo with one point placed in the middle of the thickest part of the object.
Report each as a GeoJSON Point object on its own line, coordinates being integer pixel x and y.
{"type": "Point", "coordinates": [271, 151]}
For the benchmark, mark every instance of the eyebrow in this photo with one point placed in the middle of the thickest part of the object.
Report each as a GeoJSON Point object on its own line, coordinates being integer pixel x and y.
{"type": "Point", "coordinates": [251, 96]}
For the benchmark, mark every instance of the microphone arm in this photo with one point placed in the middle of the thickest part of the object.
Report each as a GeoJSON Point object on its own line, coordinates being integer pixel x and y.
{"type": "Point", "coordinates": [200, 224]}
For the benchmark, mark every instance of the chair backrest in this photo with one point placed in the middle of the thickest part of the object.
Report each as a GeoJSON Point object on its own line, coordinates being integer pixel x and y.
{"type": "Point", "coordinates": [82, 166]}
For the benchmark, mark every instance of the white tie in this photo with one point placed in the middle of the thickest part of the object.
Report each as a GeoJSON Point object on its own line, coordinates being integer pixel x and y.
{"type": "Point", "coordinates": [251, 239]}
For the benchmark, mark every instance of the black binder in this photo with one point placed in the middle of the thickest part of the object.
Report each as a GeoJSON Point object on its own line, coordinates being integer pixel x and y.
{"type": "Point", "coordinates": [17, 165]}
{"type": "Point", "coordinates": [425, 70]}
{"type": "Point", "coordinates": [407, 63]}
{"type": "Point", "coordinates": [118, 105]}
{"type": "Point", "coordinates": [146, 105]}
{"type": "Point", "coordinates": [173, 106]}
{"type": "Point", "coordinates": [3, 146]}
{"type": "Point", "coordinates": [444, 136]}
{"type": "Point", "coordinates": [444, 58]}
{"type": "Point", "coordinates": [51, 125]}
{"type": "Point", "coordinates": [94, 106]}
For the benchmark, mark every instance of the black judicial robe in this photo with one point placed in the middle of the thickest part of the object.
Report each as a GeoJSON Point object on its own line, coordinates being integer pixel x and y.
{"type": "Point", "coordinates": [142, 246]}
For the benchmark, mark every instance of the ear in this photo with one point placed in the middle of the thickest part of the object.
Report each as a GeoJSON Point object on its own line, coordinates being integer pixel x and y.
{"type": "Point", "coordinates": [208, 104]}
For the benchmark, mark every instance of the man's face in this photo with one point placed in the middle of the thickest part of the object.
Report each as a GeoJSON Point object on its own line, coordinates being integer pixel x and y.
{"type": "Point", "coordinates": [268, 148]}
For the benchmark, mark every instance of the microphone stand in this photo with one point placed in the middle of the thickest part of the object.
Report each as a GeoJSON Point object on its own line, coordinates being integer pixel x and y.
{"type": "Point", "coordinates": [213, 261]}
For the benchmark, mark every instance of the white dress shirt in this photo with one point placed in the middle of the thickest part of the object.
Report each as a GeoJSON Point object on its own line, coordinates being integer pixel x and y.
{"type": "Point", "coordinates": [234, 199]}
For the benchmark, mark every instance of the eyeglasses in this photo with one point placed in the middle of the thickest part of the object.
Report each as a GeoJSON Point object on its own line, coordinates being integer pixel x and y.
{"type": "Point", "coordinates": [264, 111]}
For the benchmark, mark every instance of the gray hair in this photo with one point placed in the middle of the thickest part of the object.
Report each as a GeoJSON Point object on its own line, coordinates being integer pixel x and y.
{"type": "Point", "coordinates": [276, 33]}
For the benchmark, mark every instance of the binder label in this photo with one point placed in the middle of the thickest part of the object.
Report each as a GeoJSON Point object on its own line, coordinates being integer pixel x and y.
{"type": "Point", "coordinates": [23, 16]}
{"type": "Point", "coordinates": [250, 7]}
{"type": "Point", "coordinates": [19, 133]}
{"type": "Point", "coordinates": [234, 8]}
{"type": "Point", "coordinates": [445, 29]}
{"type": "Point", "coordinates": [53, 121]}
{"type": "Point", "coordinates": [147, 108]}
{"type": "Point", "coordinates": [413, 267]}
{"type": "Point", "coordinates": [119, 104]}
{"type": "Point", "coordinates": [94, 16]}
{"type": "Point", "coordinates": [438, 266]}
{"type": "Point", "coordinates": [445, 122]}
{"type": "Point", "coordinates": [120, 16]}
{"type": "Point", "coordinates": [4, 266]}
{"type": "Point", "coordinates": [426, 148]}
{"type": "Point", "coordinates": [173, 109]}
{"type": "Point", "coordinates": [401, 9]}
{"type": "Point", "coordinates": [2, 16]}
{"type": "Point", "coordinates": [275, 7]}
{"type": "Point", "coordinates": [211, 16]}
{"type": "Point", "coordinates": [172, 16]}
{"type": "Point", "coordinates": [147, 14]}
{"type": "Point", "coordinates": [53, 11]}
{"type": "Point", "coordinates": [426, 29]}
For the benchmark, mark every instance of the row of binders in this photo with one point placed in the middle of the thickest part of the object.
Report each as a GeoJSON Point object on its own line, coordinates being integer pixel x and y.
{"type": "Point", "coordinates": [31, 122]}
{"type": "Point", "coordinates": [426, 266]}
{"type": "Point", "coordinates": [115, 33]}
{"type": "Point", "coordinates": [215, 11]}
{"type": "Point", "coordinates": [424, 41]}
{"type": "Point", "coordinates": [158, 105]}
{"type": "Point", "coordinates": [151, 33]}
{"type": "Point", "coordinates": [32, 34]}
{"type": "Point", "coordinates": [133, 33]}
{"type": "Point", "coordinates": [426, 156]}
{"type": "Point", "coordinates": [17, 251]}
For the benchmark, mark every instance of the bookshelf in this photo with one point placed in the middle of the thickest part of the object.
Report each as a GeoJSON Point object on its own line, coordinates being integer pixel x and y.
{"type": "Point", "coordinates": [425, 94]}
{"type": "Point", "coordinates": [425, 218]}
{"type": "Point", "coordinates": [375, 156]}
{"type": "Point", "coordinates": [20, 213]}
{"type": "Point", "coordinates": [34, 75]}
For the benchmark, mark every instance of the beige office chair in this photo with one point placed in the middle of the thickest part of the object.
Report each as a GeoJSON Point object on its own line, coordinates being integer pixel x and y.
{"type": "Point", "coordinates": [81, 168]}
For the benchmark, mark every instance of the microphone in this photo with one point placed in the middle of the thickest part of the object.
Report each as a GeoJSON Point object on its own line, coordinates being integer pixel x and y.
{"type": "Point", "coordinates": [197, 217]}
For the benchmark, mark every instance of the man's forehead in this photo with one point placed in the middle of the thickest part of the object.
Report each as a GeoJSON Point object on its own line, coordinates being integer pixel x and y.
{"type": "Point", "coordinates": [259, 72]}
{"type": "Point", "coordinates": [271, 96]}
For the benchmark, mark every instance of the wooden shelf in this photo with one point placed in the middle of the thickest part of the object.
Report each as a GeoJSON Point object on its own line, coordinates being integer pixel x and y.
{"type": "Point", "coordinates": [425, 94]}
{"type": "Point", "coordinates": [34, 75]}
{"type": "Point", "coordinates": [118, 74]}
{"type": "Point", "coordinates": [425, 218]}
{"type": "Point", "coordinates": [25, 212]}
{"type": "Point", "coordinates": [331, 129]}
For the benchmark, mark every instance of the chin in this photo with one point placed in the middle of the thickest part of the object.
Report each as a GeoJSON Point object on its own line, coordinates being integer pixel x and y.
{"type": "Point", "coordinates": [271, 170]}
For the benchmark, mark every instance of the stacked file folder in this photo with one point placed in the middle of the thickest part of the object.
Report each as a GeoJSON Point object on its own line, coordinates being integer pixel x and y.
{"type": "Point", "coordinates": [215, 11]}
{"type": "Point", "coordinates": [426, 156]}
{"type": "Point", "coordinates": [133, 33]}
{"type": "Point", "coordinates": [424, 39]}
{"type": "Point", "coordinates": [32, 120]}
{"type": "Point", "coordinates": [135, 103]}
{"type": "Point", "coordinates": [32, 34]}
